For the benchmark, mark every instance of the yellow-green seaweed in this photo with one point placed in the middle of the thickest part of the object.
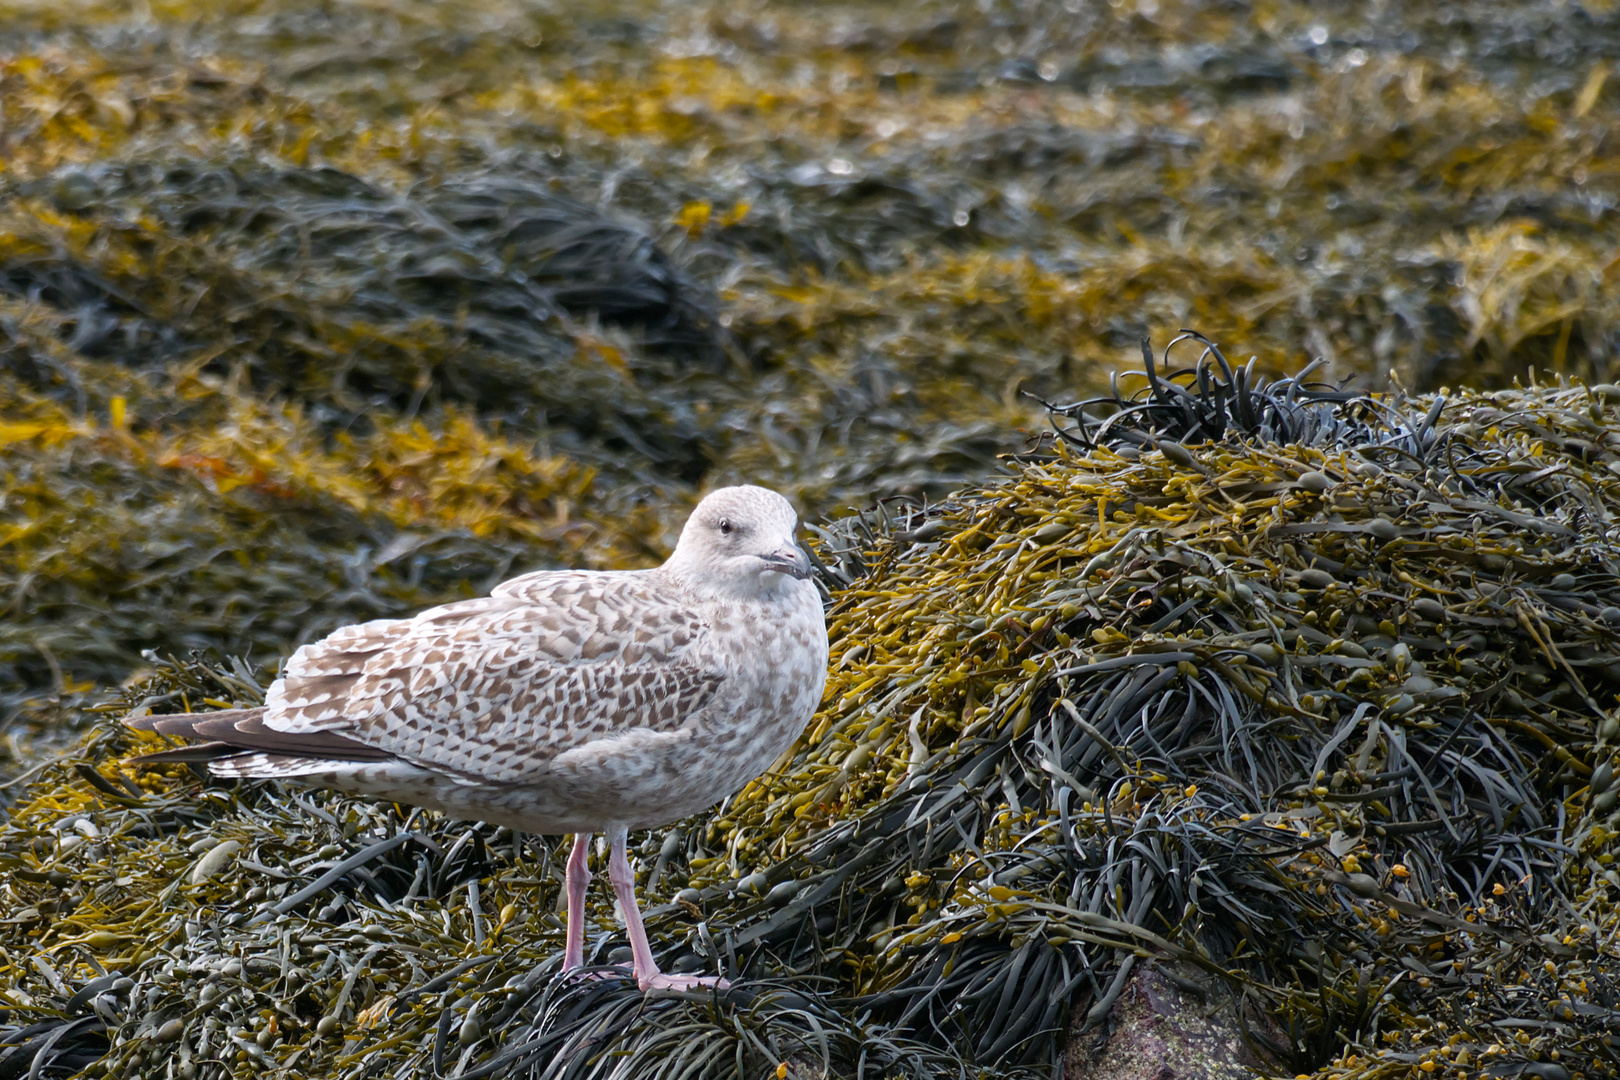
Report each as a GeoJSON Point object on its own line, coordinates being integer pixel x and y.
{"type": "Point", "coordinates": [273, 358]}
{"type": "Point", "coordinates": [1333, 722]}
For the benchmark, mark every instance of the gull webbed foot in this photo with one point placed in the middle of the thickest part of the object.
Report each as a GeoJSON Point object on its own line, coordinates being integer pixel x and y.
{"type": "Point", "coordinates": [657, 980]}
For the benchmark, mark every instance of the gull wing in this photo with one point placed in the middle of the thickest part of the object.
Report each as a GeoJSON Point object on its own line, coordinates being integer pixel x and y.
{"type": "Point", "coordinates": [493, 690]}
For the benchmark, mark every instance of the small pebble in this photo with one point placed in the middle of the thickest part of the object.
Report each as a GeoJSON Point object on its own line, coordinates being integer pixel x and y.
{"type": "Point", "coordinates": [1317, 482]}
{"type": "Point", "coordinates": [75, 191]}
{"type": "Point", "coordinates": [214, 861]}
{"type": "Point", "coordinates": [924, 533]}
{"type": "Point", "coordinates": [1177, 453]}
{"type": "Point", "coordinates": [1315, 578]}
{"type": "Point", "coordinates": [1431, 610]}
{"type": "Point", "coordinates": [1056, 530]}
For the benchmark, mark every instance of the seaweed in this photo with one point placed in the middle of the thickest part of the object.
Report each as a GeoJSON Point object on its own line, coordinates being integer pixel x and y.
{"type": "Point", "coordinates": [671, 248]}
{"type": "Point", "coordinates": [1219, 400]}
{"type": "Point", "coordinates": [1332, 724]}
{"type": "Point", "coordinates": [309, 315]}
{"type": "Point", "coordinates": [339, 293]}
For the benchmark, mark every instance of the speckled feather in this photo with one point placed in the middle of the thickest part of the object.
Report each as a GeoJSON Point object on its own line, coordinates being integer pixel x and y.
{"type": "Point", "coordinates": [562, 701]}
{"type": "Point", "coordinates": [492, 690]}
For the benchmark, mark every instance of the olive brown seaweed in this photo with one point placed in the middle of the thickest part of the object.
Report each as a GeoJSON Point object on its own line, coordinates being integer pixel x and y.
{"type": "Point", "coordinates": [1334, 725]}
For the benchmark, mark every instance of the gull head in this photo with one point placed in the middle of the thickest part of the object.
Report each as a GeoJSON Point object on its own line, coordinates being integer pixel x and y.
{"type": "Point", "coordinates": [741, 540]}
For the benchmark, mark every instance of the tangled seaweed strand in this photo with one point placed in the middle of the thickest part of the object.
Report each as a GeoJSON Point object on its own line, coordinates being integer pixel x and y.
{"type": "Point", "coordinates": [1219, 400]}
{"type": "Point", "coordinates": [1332, 726]}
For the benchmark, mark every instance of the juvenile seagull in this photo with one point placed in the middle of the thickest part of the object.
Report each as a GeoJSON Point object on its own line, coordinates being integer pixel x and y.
{"type": "Point", "coordinates": [565, 701]}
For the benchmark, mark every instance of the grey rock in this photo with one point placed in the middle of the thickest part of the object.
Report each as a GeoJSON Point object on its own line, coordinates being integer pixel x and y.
{"type": "Point", "coordinates": [1171, 1022]}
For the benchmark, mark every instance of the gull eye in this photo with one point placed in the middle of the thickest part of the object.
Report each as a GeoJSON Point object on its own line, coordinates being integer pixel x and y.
{"type": "Point", "coordinates": [725, 527]}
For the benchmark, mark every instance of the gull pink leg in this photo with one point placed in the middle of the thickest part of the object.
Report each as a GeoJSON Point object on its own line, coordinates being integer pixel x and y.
{"type": "Point", "coordinates": [576, 878]}
{"type": "Point", "coordinates": [648, 977]}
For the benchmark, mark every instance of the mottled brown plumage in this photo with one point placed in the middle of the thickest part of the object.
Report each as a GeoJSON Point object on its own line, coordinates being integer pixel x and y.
{"type": "Point", "coordinates": [567, 701]}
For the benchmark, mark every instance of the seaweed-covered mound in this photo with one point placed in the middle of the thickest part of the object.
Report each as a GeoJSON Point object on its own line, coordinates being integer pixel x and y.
{"type": "Point", "coordinates": [657, 246]}
{"type": "Point", "coordinates": [1333, 722]}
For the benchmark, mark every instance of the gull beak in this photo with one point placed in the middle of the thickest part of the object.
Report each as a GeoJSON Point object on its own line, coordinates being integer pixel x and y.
{"type": "Point", "coordinates": [789, 559]}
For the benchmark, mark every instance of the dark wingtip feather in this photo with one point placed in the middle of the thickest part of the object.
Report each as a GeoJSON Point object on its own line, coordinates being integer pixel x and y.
{"type": "Point", "coordinates": [244, 730]}
{"type": "Point", "coordinates": [190, 725]}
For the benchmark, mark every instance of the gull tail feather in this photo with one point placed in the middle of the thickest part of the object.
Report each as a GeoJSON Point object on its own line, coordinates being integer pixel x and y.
{"type": "Point", "coordinates": [238, 743]}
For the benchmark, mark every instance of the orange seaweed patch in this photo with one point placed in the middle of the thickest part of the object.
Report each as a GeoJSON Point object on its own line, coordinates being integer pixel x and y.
{"type": "Point", "coordinates": [218, 473]}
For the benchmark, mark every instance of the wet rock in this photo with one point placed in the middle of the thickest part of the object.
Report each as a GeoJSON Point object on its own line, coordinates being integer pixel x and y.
{"type": "Point", "coordinates": [1170, 1023]}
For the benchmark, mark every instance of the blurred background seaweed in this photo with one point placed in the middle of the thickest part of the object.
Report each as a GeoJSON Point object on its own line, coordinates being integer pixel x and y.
{"type": "Point", "coordinates": [312, 313]}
